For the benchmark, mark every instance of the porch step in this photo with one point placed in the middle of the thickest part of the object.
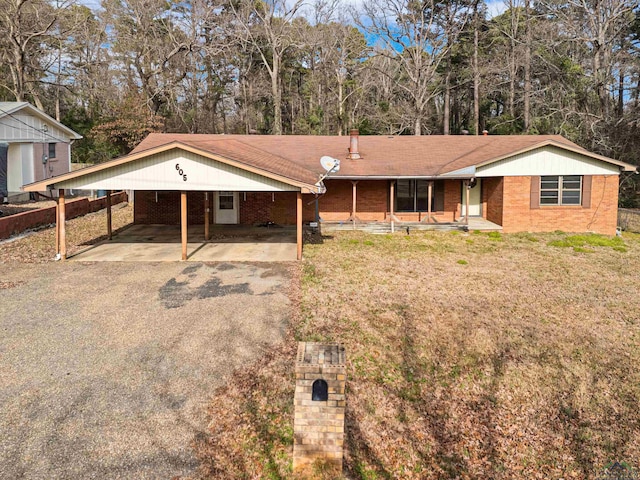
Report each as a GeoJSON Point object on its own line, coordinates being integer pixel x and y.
{"type": "Point", "coordinates": [382, 228]}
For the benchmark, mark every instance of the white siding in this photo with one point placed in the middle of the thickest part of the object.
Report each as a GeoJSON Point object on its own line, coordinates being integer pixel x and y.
{"type": "Point", "coordinates": [547, 161]}
{"type": "Point", "coordinates": [158, 172]}
{"type": "Point", "coordinates": [13, 130]}
{"type": "Point", "coordinates": [28, 163]}
{"type": "Point", "coordinates": [14, 168]}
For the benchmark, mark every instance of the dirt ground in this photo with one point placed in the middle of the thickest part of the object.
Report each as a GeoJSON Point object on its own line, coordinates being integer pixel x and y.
{"type": "Point", "coordinates": [107, 368]}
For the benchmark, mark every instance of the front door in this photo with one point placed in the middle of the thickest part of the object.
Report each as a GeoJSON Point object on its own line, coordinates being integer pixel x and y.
{"type": "Point", "coordinates": [475, 200]}
{"type": "Point", "coordinates": [226, 207]}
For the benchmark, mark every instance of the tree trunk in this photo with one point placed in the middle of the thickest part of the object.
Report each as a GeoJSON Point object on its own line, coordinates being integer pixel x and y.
{"type": "Point", "coordinates": [621, 94]}
{"type": "Point", "coordinates": [277, 96]}
{"type": "Point", "coordinates": [417, 126]}
{"type": "Point", "coordinates": [476, 77]}
{"type": "Point", "coordinates": [447, 98]}
{"type": "Point", "coordinates": [527, 70]}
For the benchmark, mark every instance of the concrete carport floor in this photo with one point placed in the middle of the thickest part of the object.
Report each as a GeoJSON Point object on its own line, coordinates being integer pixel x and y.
{"type": "Point", "coordinates": [158, 243]}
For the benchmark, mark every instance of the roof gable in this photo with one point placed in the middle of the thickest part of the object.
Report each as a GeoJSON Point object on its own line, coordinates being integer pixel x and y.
{"type": "Point", "coordinates": [20, 117]}
{"type": "Point", "coordinates": [121, 171]}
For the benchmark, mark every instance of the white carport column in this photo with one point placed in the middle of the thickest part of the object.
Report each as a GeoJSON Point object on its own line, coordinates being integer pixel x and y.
{"type": "Point", "coordinates": [299, 224]}
{"type": "Point", "coordinates": [183, 222]}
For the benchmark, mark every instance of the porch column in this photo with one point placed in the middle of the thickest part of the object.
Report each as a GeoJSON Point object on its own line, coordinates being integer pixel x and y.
{"type": "Point", "coordinates": [466, 202]}
{"type": "Point", "coordinates": [62, 234]}
{"type": "Point", "coordinates": [429, 206]}
{"type": "Point", "coordinates": [299, 224]}
{"type": "Point", "coordinates": [183, 222]}
{"type": "Point", "coordinates": [392, 216]}
{"type": "Point", "coordinates": [206, 216]}
{"type": "Point", "coordinates": [109, 232]}
{"type": "Point", "coordinates": [354, 215]}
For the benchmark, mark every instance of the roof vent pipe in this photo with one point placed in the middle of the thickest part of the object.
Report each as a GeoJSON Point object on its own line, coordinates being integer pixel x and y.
{"type": "Point", "coordinates": [353, 145]}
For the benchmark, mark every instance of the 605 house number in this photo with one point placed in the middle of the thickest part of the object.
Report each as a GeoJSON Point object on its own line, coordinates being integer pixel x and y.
{"type": "Point", "coordinates": [181, 172]}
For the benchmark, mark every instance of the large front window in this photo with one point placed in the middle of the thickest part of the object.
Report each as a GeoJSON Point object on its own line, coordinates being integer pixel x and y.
{"type": "Point", "coordinates": [412, 195]}
{"type": "Point", "coordinates": [561, 190]}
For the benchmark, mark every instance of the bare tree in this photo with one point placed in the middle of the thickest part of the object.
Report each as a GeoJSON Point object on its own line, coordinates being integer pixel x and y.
{"type": "Point", "coordinates": [266, 27]}
{"type": "Point", "coordinates": [411, 35]}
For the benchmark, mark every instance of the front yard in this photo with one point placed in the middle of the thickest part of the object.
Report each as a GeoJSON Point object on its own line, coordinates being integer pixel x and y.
{"type": "Point", "coordinates": [469, 356]}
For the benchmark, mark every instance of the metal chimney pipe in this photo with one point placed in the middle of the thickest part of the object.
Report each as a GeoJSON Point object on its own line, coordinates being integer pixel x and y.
{"type": "Point", "coordinates": [353, 148]}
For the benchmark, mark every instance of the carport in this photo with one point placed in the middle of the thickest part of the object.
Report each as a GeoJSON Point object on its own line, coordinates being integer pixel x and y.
{"type": "Point", "coordinates": [221, 169]}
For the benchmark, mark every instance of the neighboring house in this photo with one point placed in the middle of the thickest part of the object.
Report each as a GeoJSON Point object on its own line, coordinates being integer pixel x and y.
{"type": "Point", "coordinates": [33, 147]}
{"type": "Point", "coordinates": [519, 183]}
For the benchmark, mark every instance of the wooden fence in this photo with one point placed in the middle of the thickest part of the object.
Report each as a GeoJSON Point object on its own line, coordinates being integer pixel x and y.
{"type": "Point", "coordinates": [629, 220]}
{"type": "Point", "coordinates": [18, 223]}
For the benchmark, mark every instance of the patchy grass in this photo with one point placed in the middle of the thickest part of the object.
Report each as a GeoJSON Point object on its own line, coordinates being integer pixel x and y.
{"type": "Point", "coordinates": [591, 239]}
{"type": "Point", "coordinates": [521, 365]}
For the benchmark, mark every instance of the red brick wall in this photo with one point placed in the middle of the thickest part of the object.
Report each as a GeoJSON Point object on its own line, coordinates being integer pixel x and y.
{"type": "Point", "coordinates": [20, 222]}
{"type": "Point", "coordinates": [277, 207]}
{"type": "Point", "coordinates": [492, 199]}
{"type": "Point", "coordinates": [601, 217]}
{"type": "Point", "coordinates": [372, 201]}
{"type": "Point", "coordinates": [255, 208]}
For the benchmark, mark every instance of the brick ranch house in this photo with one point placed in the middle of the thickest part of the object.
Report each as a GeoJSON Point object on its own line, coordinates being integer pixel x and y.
{"type": "Point", "coordinates": [520, 183]}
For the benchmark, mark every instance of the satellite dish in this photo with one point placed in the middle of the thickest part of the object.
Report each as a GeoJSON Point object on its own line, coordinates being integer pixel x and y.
{"type": "Point", "coordinates": [330, 164]}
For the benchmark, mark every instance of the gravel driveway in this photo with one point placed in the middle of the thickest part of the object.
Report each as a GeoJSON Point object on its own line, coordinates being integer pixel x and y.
{"type": "Point", "coordinates": [106, 368]}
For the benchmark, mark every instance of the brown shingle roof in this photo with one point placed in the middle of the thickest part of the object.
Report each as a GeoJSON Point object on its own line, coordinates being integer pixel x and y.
{"type": "Point", "coordinates": [298, 156]}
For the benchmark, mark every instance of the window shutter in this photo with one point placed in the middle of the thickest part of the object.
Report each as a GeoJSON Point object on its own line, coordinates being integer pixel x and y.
{"type": "Point", "coordinates": [535, 192]}
{"type": "Point", "coordinates": [438, 188]}
{"type": "Point", "coordinates": [586, 191]}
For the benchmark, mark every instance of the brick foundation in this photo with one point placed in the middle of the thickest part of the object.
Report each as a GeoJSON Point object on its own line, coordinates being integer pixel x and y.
{"type": "Point", "coordinates": [319, 424]}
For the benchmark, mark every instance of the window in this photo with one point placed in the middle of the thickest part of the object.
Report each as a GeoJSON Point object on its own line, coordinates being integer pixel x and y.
{"type": "Point", "coordinates": [561, 190]}
{"type": "Point", "coordinates": [52, 150]}
{"type": "Point", "coordinates": [225, 200]}
{"type": "Point", "coordinates": [412, 195]}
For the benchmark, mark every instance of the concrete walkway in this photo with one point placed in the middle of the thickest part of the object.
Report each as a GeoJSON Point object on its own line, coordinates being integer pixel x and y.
{"type": "Point", "coordinates": [160, 243]}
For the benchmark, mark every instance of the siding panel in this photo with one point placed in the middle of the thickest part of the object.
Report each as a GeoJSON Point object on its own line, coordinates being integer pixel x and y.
{"type": "Point", "coordinates": [547, 161]}
{"type": "Point", "coordinates": [158, 172]}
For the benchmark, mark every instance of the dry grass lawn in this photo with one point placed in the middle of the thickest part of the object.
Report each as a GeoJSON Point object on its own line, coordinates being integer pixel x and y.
{"type": "Point", "coordinates": [470, 356]}
{"type": "Point", "coordinates": [40, 246]}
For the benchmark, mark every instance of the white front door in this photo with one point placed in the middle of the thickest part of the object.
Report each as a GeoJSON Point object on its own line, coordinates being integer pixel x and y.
{"type": "Point", "coordinates": [475, 200]}
{"type": "Point", "coordinates": [226, 207]}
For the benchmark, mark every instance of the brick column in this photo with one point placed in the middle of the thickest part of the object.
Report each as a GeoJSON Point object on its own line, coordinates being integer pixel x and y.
{"type": "Point", "coordinates": [319, 413]}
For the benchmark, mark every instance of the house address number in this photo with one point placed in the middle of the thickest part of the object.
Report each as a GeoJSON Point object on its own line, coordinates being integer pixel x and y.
{"type": "Point", "coordinates": [181, 172]}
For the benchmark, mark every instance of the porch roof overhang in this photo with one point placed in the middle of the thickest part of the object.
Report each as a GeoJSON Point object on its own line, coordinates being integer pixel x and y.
{"type": "Point", "coordinates": [159, 169]}
{"type": "Point", "coordinates": [461, 176]}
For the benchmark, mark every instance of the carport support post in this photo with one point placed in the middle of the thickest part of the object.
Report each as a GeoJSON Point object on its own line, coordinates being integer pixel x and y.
{"type": "Point", "coordinates": [206, 216]}
{"type": "Point", "coordinates": [183, 222]}
{"type": "Point", "coordinates": [62, 235]}
{"type": "Point", "coordinates": [109, 233]}
{"type": "Point", "coordinates": [299, 224]}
